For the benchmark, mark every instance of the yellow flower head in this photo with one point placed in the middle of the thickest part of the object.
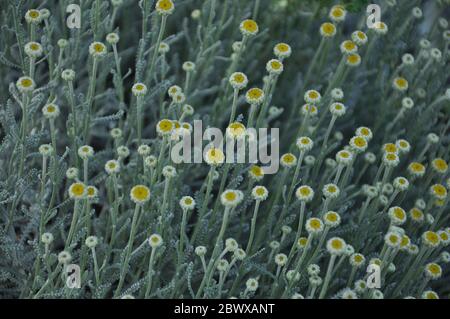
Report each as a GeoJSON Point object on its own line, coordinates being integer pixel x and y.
{"type": "Point", "coordinates": [256, 172]}
{"type": "Point", "coordinates": [165, 7]}
{"type": "Point", "coordinates": [249, 27]}
{"type": "Point", "coordinates": [328, 30]}
{"type": "Point", "coordinates": [439, 165]}
{"type": "Point", "coordinates": [214, 156]}
{"type": "Point", "coordinates": [165, 127]}
{"type": "Point", "coordinates": [77, 191]}
{"type": "Point", "coordinates": [140, 194]}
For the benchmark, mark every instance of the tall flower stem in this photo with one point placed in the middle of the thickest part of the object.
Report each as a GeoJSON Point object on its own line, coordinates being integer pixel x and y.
{"type": "Point", "coordinates": [252, 228]}
{"type": "Point", "coordinates": [326, 282]}
{"type": "Point", "coordinates": [124, 266]}
{"type": "Point", "coordinates": [212, 261]}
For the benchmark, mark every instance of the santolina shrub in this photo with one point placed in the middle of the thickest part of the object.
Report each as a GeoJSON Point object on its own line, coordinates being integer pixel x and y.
{"type": "Point", "coordinates": [93, 204]}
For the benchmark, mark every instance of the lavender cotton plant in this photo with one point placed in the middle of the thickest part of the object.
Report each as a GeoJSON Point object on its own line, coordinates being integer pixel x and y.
{"type": "Point", "coordinates": [97, 95]}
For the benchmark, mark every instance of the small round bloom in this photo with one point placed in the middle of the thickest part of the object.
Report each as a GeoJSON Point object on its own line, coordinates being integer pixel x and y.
{"type": "Point", "coordinates": [112, 167]}
{"type": "Point", "coordinates": [163, 48]}
{"type": "Point", "coordinates": [64, 257]}
{"type": "Point", "coordinates": [431, 239]}
{"type": "Point", "coordinates": [144, 150]}
{"type": "Point", "coordinates": [68, 75]}
{"type": "Point", "coordinates": [165, 127]}
{"type": "Point", "coordinates": [188, 66]}
{"type": "Point", "coordinates": [301, 242]}
{"type": "Point", "coordinates": [274, 67]}
{"type": "Point", "coordinates": [348, 293]}
{"type": "Point", "coordinates": [313, 270]}
{"type": "Point", "coordinates": [187, 203]}
{"type": "Point", "coordinates": [337, 109]}
{"type": "Point", "coordinates": [357, 260]}
{"type": "Point", "coordinates": [256, 173]}
{"type": "Point", "coordinates": [46, 150]}
{"type": "Point", "coordinates": [214, 156]}
{"type": "Point", "coordinates": [439, 165]}
{"type": "Point", "coordinates": [140, 194]}
{"type": "Point", "coordinates": [360, 286]}
{"type": "Point", "coordinates": [416, 215]}
{"type": "Point", "coordinates": [280, 259]}
{"type": "Point", "coordinates": [223, 265]}
{"type": "Point", "coordinates": [304, 193]}
{"type": "Point", "coordinates": [445, 237]}
{"type": "Point", "coordinates": [337, 13]}
{"type": "Point", "coordinates": [112, 38]}
{"type": "Point", "coordinates": [33, 50]}
{"type": "Point", "coordinates": [45, 13]}
{"type": "Point", "coordinates": [358, 144]}
{"type": "Point", "coordinates": [397, 215]}
{"type": "Point", "coordinates": [327, 30]}
{"type": "Point", "coordinates": [393, 239]}
{"type": "Point", "coordinates": [337, 94]}
{"type": "Point", "coordinates": [332, 219]}
{"type": "Point", "coordinates": [72, 173]}
{"type": "Point", "coordinates": [174, 89]}
{"type": "Point", "coordinates": [403, 146]}
{"type": "Point", "coordinates": [260, 193]}
{"type": "Point", "coordinates": [155, 241]}
{"type": "Point", "coordinates": [336, 246]}
{"type": "Point", "coordinates": [353, 60]}
{"type": "Point", "coordinates": [293, 275]}
{"type": "Point", "coordinates": [433, 271]}
{"type": "Point", "coordinates": [331, 191]}
{"type": "Point", "coordinates": [309, 109]}
{"type": "Point", "coordinates": [236, 130]}
{"type": "Point", "coordinates": [85, 152]}
{"type": "Point", "coordinates": [25, 84]}
{"type": "Point", "coordinates": [51, 111]}
{"type": "Point", "coordinates": [274, 245]}
{"type": "Point", "coordinates": [282, 50]}
{"type": "Point", "coordinates": [231, 197]}
{"type": "Point", "coordinates": [400, 84]}
{"type": "Point", "coordinates": [47, 238]}
{"type": "Point", "coordinates": [314, 225]}
{"type": "Point", "coordinates": [91, 241]}
{"type": "Point", "coordinates": [344, 157]}
{"type": "Point", "coordinates": [288, 160]}
{"type": "Point", "coordinates": [200, 251]}
{"type": "Point", "coordinates": [401, 183]}
{"type": "Point", "coordinates": [430, 294]}
{"type": "Point", "coordinates": [238, 80]}
{"type": "Point", "coordinates": [97, 50]}
{"type": "Point", "coordinates": [391, 159]}
{"type": "Point", "coordinates": [304, 144]}
{"type": "Point", "coordinates": [438, 191]}
{"type": "Point", "coordinates": [139, 89]}
{"type": "Point", "coordinates": [254, 96]}
{"type": "Point", "coordinates": [312, 97]}
{"type": "Point", "coordinates": [77, 191]}
{"type": "Point", "coordinates": [123, 151]}
{"type": "Point", "coordinates": [164, 7]}
{"type": "Point", "coordinates": [33, 16]}
{"type": "Point", "coordinates": [380, 28]}
{"type": "Point", "coordinates": [359, 37]}
{"type": "Point", "coordinates": [348, 47]}
{"type": "Point", "coordinates": [249, 27]}
{"type": "Point", "coordinates": [252, 284]}
{"type": "Point", "coordinates": [169, 171]}
{"type": "Point", "coordinates": [63, 43]}
{"type": "Point", "coordinates": [408, 59]}
{"type": "Point", "coordinates": [240, 254]}
{"type": "Point", "coordinates": [365, 132]}
{"type": "Point", "coordinates": [92, 192]}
